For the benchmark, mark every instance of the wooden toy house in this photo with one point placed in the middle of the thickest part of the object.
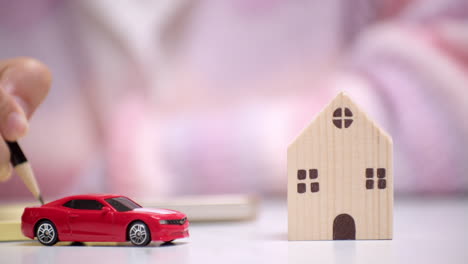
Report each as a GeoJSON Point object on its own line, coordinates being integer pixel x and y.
{"type": "Point", "coordinates": [340, 177]}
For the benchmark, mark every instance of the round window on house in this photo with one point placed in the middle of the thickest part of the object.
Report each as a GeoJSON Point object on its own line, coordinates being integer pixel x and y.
{"type": "Point", "coordinates": [342, 118]}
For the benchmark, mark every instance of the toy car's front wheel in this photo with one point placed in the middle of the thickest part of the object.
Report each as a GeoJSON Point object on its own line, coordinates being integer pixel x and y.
{"type": "Point", "coordinates": [46, 233]}
{"type": "Point", "coordinates": [139, 234]}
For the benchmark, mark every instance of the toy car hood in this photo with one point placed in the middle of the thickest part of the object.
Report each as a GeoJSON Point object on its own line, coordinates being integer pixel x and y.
{"type": "Point", "coordinates": [163, 213]}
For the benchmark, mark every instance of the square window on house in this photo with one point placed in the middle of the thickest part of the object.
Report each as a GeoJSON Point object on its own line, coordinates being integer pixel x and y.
{"type": "Point", "coordinates": [313, 173]}
{"type": "Point", "coordinates": [301, 187]}
{"type": "Point", "coordinates": [381, 173]}
{"type": "Point", "coordinates": [301, 174]}
{"type": "Point", "coordinates": [382, 184]}
{"type": "Point", "coordinates": [314, 187]}
{"type": "Point", "coordinates": [369, 184]}
{"type": "Point", "coordinates": [369, 173]}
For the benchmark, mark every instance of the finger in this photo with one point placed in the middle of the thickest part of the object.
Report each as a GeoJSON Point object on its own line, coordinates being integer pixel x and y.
{"type": "Point", "coordinates": [27, 81]}
{"type": "Point", "coordinates": [5, 167]}
{"type": "Point", "coordinates": [24, 83]}
{"type": "Point", "coordinates": [13, 123]}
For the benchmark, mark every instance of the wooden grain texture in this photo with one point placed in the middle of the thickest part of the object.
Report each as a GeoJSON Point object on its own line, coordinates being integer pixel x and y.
{"type": "Point", "coordinates": [341, 157]}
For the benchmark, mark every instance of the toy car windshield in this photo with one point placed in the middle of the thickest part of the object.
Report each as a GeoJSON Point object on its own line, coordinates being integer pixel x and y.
{"type": "Point", "coordinates": [122, 204]}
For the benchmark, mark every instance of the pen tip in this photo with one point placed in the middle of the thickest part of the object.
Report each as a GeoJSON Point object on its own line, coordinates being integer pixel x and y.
{"type": "Point", "coordinates": [40, 199]}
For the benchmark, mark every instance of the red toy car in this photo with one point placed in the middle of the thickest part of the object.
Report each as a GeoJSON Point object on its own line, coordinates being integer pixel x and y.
{"type": "Point", "coordinates": [102, 218]}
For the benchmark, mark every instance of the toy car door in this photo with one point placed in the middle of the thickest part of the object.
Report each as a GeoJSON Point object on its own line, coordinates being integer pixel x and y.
{"type": "Point", "coordinates": [89, 222]}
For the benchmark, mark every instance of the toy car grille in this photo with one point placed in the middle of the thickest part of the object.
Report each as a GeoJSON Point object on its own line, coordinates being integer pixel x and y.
{"type": "Point", "coordinates": [177, 221]}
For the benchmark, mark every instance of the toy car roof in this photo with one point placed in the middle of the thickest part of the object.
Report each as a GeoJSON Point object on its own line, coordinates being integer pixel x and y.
{"type": "Point", "coordinates": [84, 197]}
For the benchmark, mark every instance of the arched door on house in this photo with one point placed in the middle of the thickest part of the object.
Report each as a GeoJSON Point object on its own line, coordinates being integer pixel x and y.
{"type": "Point", "coordinates": [344, 228]}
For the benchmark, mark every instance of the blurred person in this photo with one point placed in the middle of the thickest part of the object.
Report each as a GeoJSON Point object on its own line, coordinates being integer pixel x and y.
{"type": "Point", "coordinates": [158, 98]}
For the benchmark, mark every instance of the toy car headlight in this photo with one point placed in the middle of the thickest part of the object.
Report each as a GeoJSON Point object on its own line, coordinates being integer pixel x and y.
{"type": "Point", "coordinates": [163, 222]}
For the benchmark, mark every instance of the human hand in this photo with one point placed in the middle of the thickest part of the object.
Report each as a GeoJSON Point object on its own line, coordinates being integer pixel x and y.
{"type": "Point", "coordinates": [24, 83]}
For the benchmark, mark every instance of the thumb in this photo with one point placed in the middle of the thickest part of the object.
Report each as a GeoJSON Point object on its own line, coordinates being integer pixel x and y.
{"type": "Point", "coordinates": [24, 83]}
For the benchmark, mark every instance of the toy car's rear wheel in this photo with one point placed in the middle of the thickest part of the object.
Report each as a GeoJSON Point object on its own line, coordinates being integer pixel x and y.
{"type": "Point", "coordinates": [139, 234]}
{"type": "Point", "coordinates": [46, 233]}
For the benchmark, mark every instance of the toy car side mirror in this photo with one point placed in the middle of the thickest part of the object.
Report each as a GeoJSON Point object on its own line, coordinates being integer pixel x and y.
{"type": "Point", "coordinates": [106, 210]}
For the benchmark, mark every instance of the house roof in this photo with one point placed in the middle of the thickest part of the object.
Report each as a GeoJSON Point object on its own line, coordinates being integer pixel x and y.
{"type": "Point", "coordinates": [341, 100]}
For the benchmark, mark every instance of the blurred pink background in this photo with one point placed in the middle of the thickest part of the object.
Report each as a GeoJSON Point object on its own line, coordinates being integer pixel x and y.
{"type": "Point", "coordinates": [178, 97]}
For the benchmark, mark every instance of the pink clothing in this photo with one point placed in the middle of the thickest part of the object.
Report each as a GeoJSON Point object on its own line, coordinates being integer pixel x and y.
{"type": "Point", "coordinates": [184, 97]}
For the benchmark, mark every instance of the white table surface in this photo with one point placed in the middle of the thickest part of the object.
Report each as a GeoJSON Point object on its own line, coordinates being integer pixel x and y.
{"type": "Point", "coordinates": [427, 230]}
